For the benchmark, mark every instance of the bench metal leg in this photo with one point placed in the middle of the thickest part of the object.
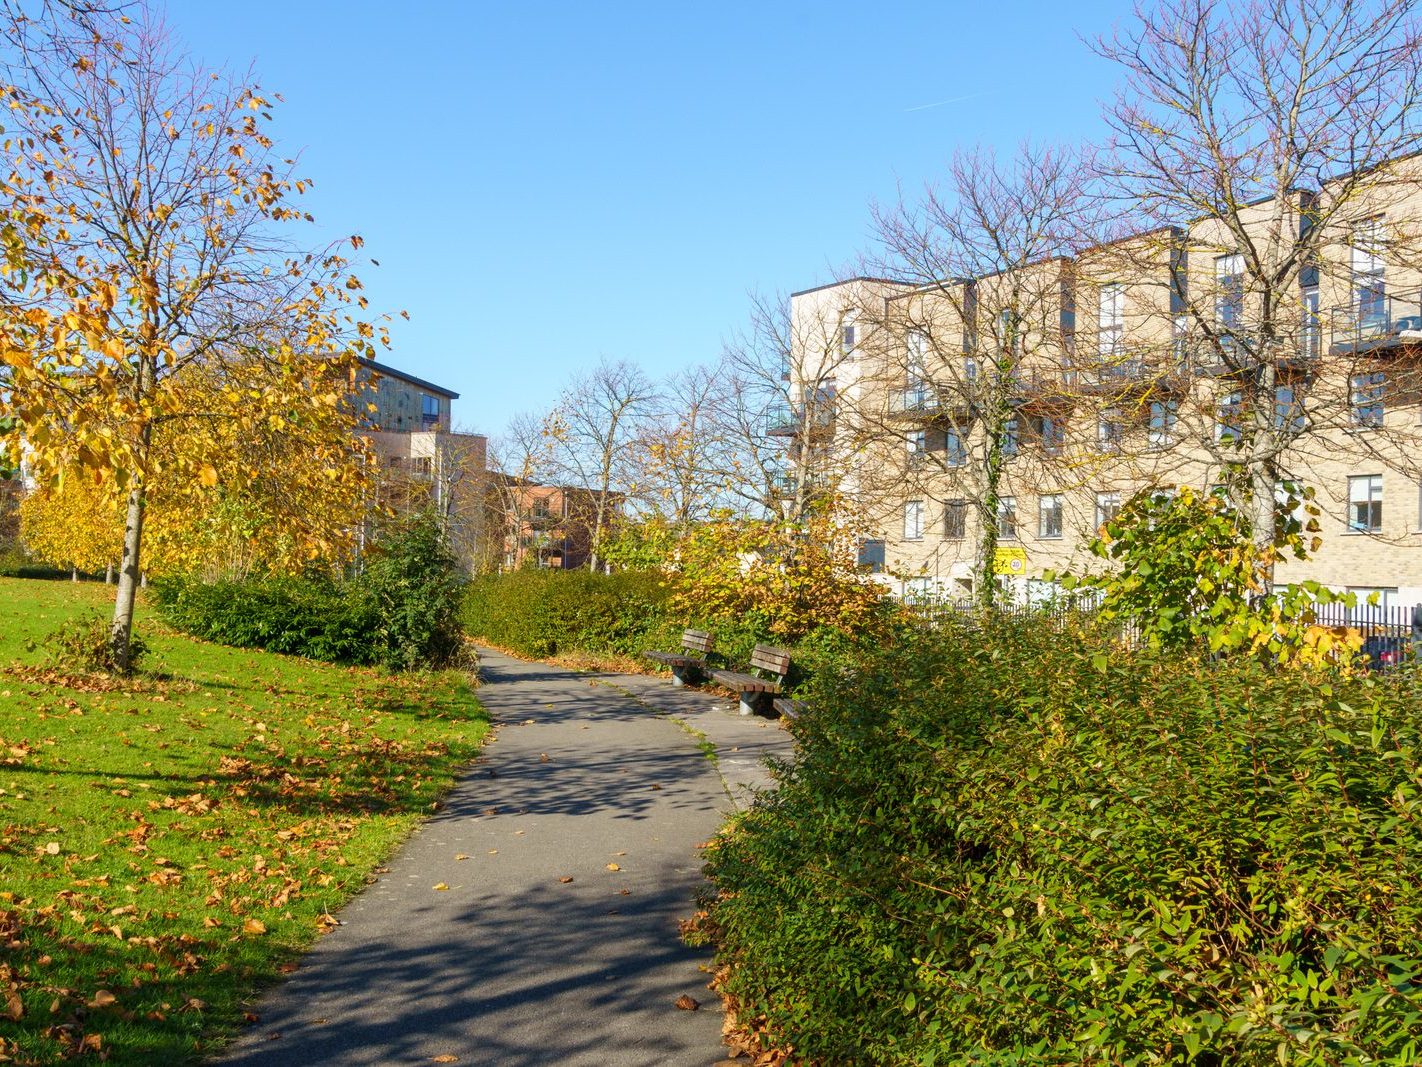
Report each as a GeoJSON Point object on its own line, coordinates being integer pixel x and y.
{"type": "Point", "coordinates": [678, 675]}
{"type": "Point", "coordinates": [752, 703]}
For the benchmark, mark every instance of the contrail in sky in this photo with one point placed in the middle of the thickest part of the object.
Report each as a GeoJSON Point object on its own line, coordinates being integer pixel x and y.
{"type": "Point", "coordinates": [940, 103]}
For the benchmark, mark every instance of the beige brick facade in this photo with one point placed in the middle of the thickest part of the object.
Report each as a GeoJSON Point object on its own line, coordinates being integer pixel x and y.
{"type": "Point", "coordinates": [1116, 390]}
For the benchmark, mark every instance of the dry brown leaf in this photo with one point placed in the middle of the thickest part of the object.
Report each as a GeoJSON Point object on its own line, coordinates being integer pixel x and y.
{"type": "Point", "coordinates": [14, 1007]}
{"type": "Point", "coordinates": [613, 867]}
{"type": "Point", "coordinates": [102, 999]}
{"type": "Point", "coordinates": [254, 926]}
{"type": "Point", "coordinates": [566, 879]}
{"type": "Point", "coordinates": [447, 1057]}
{"type": "Point", "coordinates": [441, 887]}
{"type": "Point", "coordinates": [686, 1003]}
{"type": "Point", "coordinates": [461, 856]}
{"type": "Point", "coordinates": [52, 848]}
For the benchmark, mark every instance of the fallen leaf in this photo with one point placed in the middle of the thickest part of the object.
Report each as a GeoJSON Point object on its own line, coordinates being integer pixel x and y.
{"type": "Point", "coordinates": [493, 852]}
{"type": "Point", "coordinates": [613, 867]}
{"type": "Point", "coordinates": [254, 926]}
{"type": "Point", "coordinates": [52, 848]}
{"type": "Point", "coordinates": [566, 880]}
{"type": "Point", "coordinates": [461, 856]}
{"type": "Point", "coordinates": [441, 886]}
{"type": "Point", "coordinates": [446, 1058]}
{"type": "Point", "coordinates": [686, 1003]}
{"type": "Point", "coordinates": [14, 1007]}
{"type": "Point", "coordinates": [543, 757]}
{"type": "Point", "coordinates": [102, 999]}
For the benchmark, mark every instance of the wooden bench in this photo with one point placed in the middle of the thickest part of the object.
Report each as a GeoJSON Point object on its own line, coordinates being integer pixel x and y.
{"type": "Point", "coordinates": [789, 708]}
{"type": "Point", "coordinates": [687, 664]}
{"type": "Point", "coordinates": [770, 665]}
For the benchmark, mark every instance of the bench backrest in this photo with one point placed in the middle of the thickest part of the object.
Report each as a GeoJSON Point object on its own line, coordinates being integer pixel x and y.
{"type": "Point", "coordinates": [697, 641]}
{"type": "Point", "coordinates": [770, 659]}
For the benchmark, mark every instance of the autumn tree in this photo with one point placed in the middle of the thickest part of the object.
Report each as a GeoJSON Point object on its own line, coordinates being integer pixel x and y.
{"type": "Point", "coordinates": [519, 458]}
{"type": "Point", "coordinates": [1281, 136]}
{"type": "Point", "coordinates": [153, 288]}
{"type": "Point", "coordinates": [595, 431]}
{"type": "Point", "coordinates": [977, 347]}
{"type": "Point", "coordinates": [73, 523]}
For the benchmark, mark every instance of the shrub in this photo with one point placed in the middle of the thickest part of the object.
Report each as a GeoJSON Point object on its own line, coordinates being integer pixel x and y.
{"type": "Point", "coordinates": [542, 612]}
{"type": "Point", "coordinates": [402, 611]}
{"type": "Point", "coordinates": [1014, 844]}
{"type": "Point", "coordinates": [84, 644]}
{"type": "Point", "coordinates": [414, 590]}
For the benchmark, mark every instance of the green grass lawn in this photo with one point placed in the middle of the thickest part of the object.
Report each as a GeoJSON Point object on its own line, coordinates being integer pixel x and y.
{"type": "Point", "coordinates": [170, 844]}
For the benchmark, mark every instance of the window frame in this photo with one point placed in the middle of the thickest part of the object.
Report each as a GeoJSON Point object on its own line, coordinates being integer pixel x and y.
{"type": "Point", "coordinates": [955, 530]}
{"type": "Point", "coordinates": [1371, 499]}
{"type": "Point", "coordinates": [914, 508]}
{"type": "Point", "coordinates": [1050, 516]}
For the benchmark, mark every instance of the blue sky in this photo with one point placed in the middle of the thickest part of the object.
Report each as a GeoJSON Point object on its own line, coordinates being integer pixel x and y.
{"type": "Point", "coordinates": [546, 185]}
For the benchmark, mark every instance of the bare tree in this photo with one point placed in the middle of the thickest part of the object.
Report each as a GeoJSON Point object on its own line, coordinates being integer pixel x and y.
{"type": "Point", "coordinates": [1284, 134]}
{"type": "Point", "coordinates": [596, 427]}
{"type": "Point", "coordinates": [520, 457]}
{"type": "Point", "coordinates": [683, 448]}
{"type": "Point", "coordinates": [979, 349]}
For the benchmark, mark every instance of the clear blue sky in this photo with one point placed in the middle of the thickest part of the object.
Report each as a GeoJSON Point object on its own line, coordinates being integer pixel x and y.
{"type": "Point", "coordinates": [547, 184]}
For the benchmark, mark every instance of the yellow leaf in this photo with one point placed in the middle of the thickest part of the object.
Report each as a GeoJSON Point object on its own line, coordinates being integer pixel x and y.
{"type": "Point", "coordinates": [441, 886]}
{"type": "Point", "coordinates": [254, 926]}
{"type": "Point", "coordinates": [208, 475]}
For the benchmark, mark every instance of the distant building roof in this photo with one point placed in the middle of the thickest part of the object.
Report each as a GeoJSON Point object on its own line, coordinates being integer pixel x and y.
{"type": "Point", "coordinates": [391, 372]}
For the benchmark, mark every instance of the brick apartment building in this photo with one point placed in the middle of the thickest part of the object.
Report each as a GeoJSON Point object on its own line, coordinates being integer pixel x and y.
{"type": "Point", "coordinates": [1118, 389]}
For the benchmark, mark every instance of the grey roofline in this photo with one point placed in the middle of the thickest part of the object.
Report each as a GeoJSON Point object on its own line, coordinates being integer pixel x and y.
{"type": "Point", "coordinates": [847, 281]}
{"type": "Point", "coordinates": [381, 368]}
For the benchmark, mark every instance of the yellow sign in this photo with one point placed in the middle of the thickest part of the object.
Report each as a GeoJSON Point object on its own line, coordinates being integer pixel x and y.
{"type": "Point", "coordinates": [1010, 561]}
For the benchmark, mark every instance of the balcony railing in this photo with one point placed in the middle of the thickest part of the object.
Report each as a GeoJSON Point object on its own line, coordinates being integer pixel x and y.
{"type": "Point", "coordinates": [1375, 322]}
{"type": "Point", "coordinates": [914, 400]}
{"type": "Point", "coordinates": [789, 420]}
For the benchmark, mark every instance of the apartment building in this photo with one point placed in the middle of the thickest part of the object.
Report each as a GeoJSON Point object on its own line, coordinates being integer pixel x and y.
{"type": "Point", "coordinates": [422, 462]}
{"type": "Point", "coordinates": [1133, 364]}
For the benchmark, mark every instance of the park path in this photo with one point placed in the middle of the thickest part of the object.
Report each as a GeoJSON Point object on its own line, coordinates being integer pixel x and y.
{"type": "Point", "coordinates": [538, 952]}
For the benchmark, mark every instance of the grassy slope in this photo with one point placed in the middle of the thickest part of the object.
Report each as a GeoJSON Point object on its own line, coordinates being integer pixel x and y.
{"type": "Point", "coordinates": [168, 845]}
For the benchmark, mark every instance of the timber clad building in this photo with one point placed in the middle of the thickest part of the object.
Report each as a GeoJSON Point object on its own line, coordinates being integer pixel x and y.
{"type": "Point", "coordinates": [1129, 365]}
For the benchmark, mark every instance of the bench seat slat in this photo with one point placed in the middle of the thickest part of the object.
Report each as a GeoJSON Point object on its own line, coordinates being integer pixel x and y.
{"type": "Point", "coordinates": [745, 683]}
{"type": "Point", "coordinates": [674, 659]}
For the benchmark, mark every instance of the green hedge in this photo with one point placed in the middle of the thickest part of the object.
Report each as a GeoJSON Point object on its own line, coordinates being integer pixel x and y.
{"type": "Point", "coordinates": [1012, 846]}
{"type": "Point", "coordinates": [542, 612]}
{"type": "Point", "coordinates": [402, 611]}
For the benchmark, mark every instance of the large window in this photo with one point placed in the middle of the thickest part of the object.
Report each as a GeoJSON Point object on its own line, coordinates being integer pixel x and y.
{"type": "Point", "coordinates": [1111, 322]}
{"type": "Point", "coordinates": [871, 556]}
{"type": "Point", "coordinates": [848, 334]}
{"type": "Point", "coordinates": [1010, 437]}
{"type": "Point", "coordinates": [1051, 432]}
{"type": "Point", "coordinates": [917, 442]}
{"type": "Point", "coordinates": [1229, 291]}
{"type": "Point", "coordinates": [1369, 286]}
{"type": "Point", "coordinates": [1109, 431]}
{"type": "Point", "coordinates": [913, 520]}
{"type": "Point", "coordinates": [1107, 505]}
{"type": "Point", "coordinates": [955, 520]}
{"type": "Point", "coordinates": [1288, 408]}
{"type": "Point", "coordinates": [1049, 515]}
{"type": "Point", "coordinates": [1367, 398]}
{"type": "Point", "coordinates": [955, 452]}
{"type": "Point", "coordinates": [1229, 418]}
{"type": "Point", "coordinates": [1007, 518]}
{"type": "Point", "coordinates": [429, 411]}
{"type": "Point", "coordinates": [1365, 501]}
{"type": "Point", "coordinates": [1312, 333]}
{"type": "Point", "coordinates": [1164, 414]}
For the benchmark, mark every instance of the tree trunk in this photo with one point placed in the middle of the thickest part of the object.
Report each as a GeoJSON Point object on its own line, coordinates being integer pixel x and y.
{"type": "Point", "coordinates": [109, 574]}
{"type": "Point", "coordinates": [73, 574]}
{"type": "Point", "coordinates": [128, 578]}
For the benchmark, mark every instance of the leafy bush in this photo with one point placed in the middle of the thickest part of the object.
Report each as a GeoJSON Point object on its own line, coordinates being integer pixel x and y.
{"type": "Point", "coordinates": [402, 611]}
{"type": "Point", "coordinates": [1013, 844]}
{"type": "Point", "coordinates": [84, 644]}
{"type": "Point", "coordinates": [542, 612]}
{"type": "Point", "coordinates": [414, 589]}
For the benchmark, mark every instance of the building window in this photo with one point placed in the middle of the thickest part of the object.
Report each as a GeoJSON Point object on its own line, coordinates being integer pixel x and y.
{"type": "Point", "coordinates": [970, 371]}
{"type": "Point", "coordinates": [1369, 286]}
{"type": "Point", "coordinates": [1010, 437]}
{"type": "Point", "coordinates": [1288, 408]}
{"type": "Point", "coordinates": [913, 520]}
{"type": "Point", "coordinates": [848, 334]}
{"type": "Point", "coordinates": [955, 520]}
{"type": "Point", "coordinates": [1367, 399]}
{"type": "Point", "coordinates": [1109, 431]}
{"type": "Point", "coordinates": [1312, 333]}
{"type": "Point", "coordinates": [955, 452]}
{"type": "Point", "coordinates": [1229, 418]}
{"type": "Point", "coordinates": [1107, 505]}
{"type": "Point", "coordinates": [871, 556]}
{"type": "Point", "coordinates": [1051, 431]}
{"type": "Point", "coordinates": [917, 442]}
{"type": "Point", "coordinates": [1229, 291]}
{"type": "Point", "coordinates": [1111, 322]}
{"type": "Point", "coordinates": [1365, 502]}
{"type": "Point", "coordinates": [1164, 414]}
{"type": "Point", "coordinates": [1180, 337]}
{"type": "Point", "coordinates": [1007, 518]}
{"type": "Point", "coordinates": [1049, 516]}
{"type": "Point", "coordinates": [429, 411]}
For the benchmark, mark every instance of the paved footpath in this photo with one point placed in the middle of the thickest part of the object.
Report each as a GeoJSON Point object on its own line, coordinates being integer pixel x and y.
{"type": "Point", "coordinates": [539, 951]}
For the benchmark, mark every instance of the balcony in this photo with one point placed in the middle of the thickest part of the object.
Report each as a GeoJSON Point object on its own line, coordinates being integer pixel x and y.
{"type": "Point", "coordinates": [789, 420]}
{"type": "Point", "coordinates": [1377, 324]}
{"type": "Point", "coordinates": [783, 484]}
{"type": "Point", "coordinates": [1130, 377]}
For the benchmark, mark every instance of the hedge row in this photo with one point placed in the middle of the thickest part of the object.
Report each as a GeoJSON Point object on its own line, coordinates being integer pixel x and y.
{"type": "Point", "coordinates": [402, 611]}
{"type": "Point", "coordinates": [1007, 847]}
{"type": "Point", "coordinates": [543, 612]}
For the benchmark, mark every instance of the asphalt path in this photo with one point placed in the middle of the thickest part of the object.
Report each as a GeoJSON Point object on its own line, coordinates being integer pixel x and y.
{"type": "Point", "coordinates": [567, 856]}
